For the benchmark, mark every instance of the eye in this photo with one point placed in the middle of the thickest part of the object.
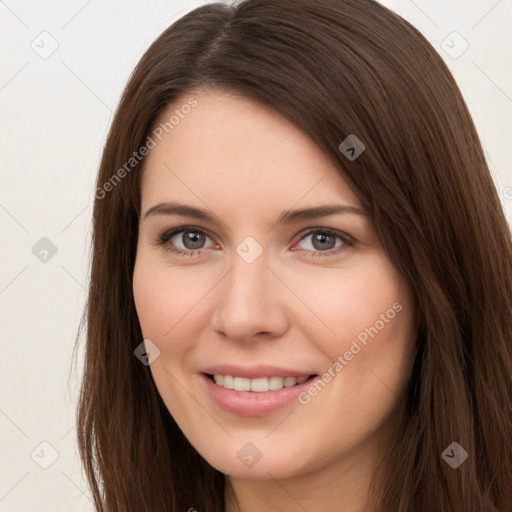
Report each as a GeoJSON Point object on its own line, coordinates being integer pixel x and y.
{"type": "Point", "coordinates": [191, 239]}
{"type": "Point", "coordinates": [323, 242]}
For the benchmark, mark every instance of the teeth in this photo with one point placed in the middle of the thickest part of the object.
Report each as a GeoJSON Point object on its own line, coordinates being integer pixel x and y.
{"type": "Point", "coordinates": [289, 382]}
{"type": "Point", "coordinates": [259, 385]}
{"type": "Point", "coordinates": [241, 384]}
{"type": "Point", "coordinates": [228, 381]}
{"type": "Point", "coordinates": [275, 383]}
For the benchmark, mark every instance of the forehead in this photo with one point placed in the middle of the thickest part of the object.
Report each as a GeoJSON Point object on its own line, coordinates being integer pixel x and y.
{"type": "Point", "coordinates": [232, 149]}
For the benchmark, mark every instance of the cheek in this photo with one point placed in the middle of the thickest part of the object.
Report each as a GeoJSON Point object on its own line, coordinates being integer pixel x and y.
{"type": "Point", "coordinates": [165, 297]}
{"type": "Point", "coordinates": [368, 314]}
{"type": "Point", "coordinates": [369, 356]}
{"type": "Point", "coordinates": [345, 300]}
{"type": "Point", "coordinates": [168, 301]}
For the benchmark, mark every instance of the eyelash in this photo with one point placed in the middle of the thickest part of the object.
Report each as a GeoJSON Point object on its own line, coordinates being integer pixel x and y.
{"type": "Point", "coordinates": [163, 239]}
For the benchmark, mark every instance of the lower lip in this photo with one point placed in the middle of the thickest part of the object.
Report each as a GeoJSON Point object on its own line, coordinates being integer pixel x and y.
{"type": "Point", "coordinates": [252, 403]}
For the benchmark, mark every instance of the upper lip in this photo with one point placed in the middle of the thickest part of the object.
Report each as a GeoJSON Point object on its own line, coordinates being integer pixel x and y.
{"type": "Point", "coordinates": [254, 372]}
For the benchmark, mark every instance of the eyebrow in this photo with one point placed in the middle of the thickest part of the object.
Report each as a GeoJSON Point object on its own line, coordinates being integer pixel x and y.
{"type": "Point", "coordinates": [286, 217]}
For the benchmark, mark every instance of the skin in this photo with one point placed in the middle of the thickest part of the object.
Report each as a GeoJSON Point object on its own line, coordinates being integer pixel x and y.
{"type": "Point", "coordinates": [293, 306]}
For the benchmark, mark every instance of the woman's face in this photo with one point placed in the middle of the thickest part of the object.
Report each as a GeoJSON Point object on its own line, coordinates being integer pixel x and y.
{"type": "Point", "coordinates": [303, 314]}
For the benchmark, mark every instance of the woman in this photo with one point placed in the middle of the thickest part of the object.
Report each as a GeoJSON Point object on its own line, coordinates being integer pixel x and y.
{"type": "Point", "coordinates": [301, 277]}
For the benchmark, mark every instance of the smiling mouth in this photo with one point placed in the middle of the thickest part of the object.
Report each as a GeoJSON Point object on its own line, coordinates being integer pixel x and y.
{"type": "Point", "coordinates": [259, 385]}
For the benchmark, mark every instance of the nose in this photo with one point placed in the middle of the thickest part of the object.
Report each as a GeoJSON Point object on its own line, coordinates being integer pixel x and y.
{"type": "Point", "coordinates": [250, 301]}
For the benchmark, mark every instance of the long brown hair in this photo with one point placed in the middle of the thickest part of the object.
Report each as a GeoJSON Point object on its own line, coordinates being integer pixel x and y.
{"type": "Point", "coordinates": [333, 68]}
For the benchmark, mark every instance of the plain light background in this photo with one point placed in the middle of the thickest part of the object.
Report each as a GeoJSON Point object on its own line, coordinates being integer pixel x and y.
{"type": "Point", "coordinates": [56, 111]}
